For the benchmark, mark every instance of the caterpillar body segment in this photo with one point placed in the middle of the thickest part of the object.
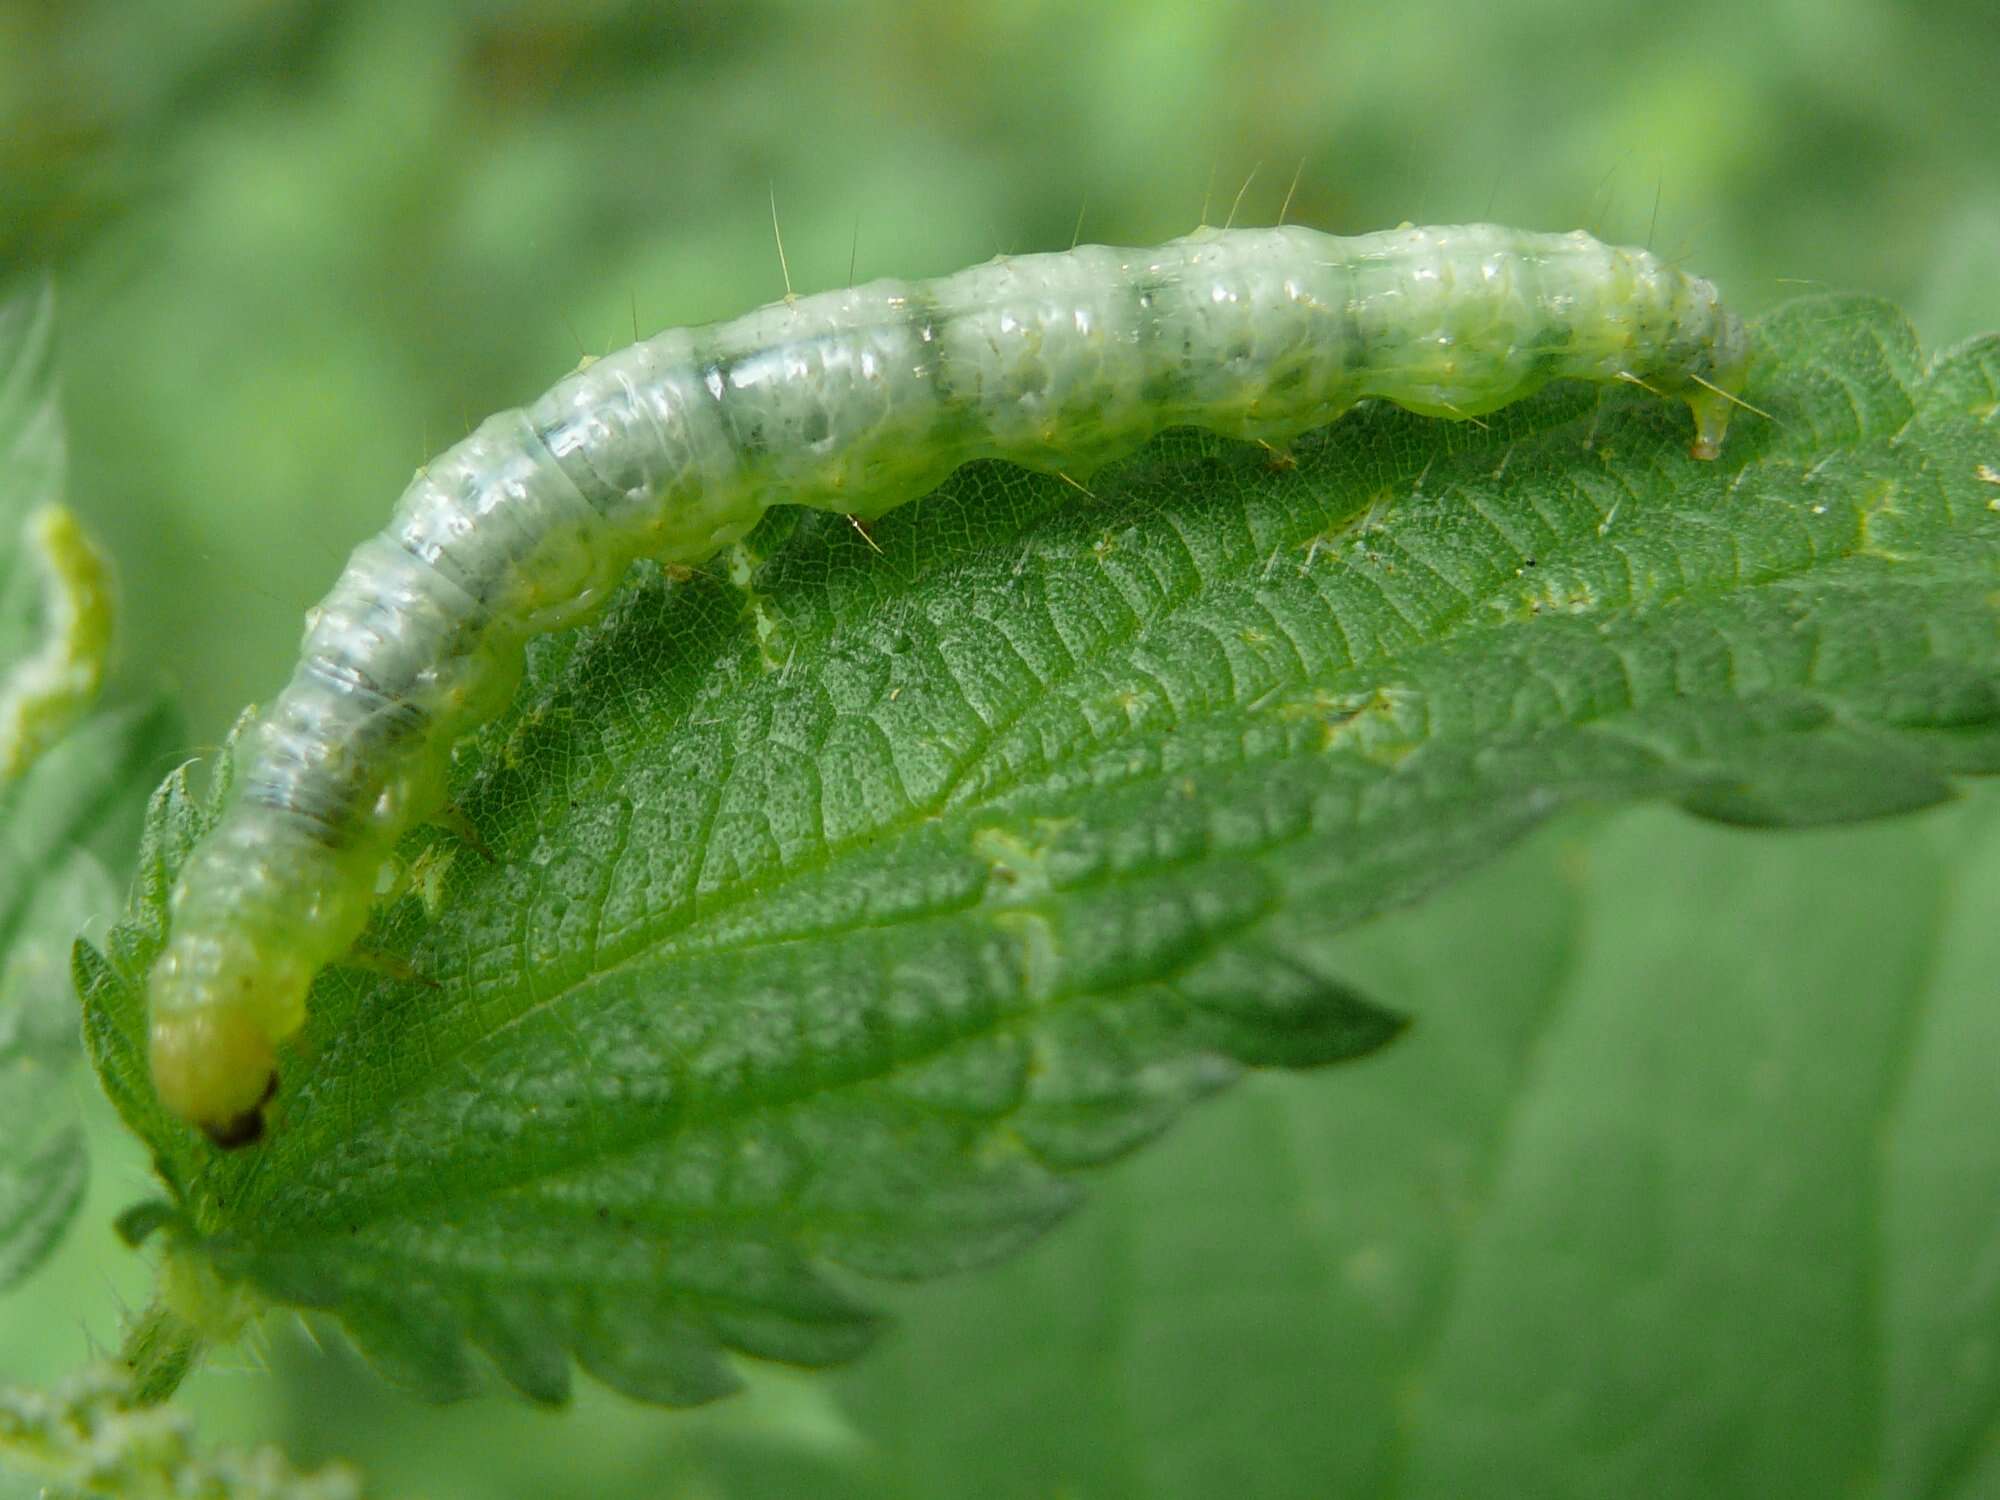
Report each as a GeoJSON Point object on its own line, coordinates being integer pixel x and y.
{"type": "Point", "coordinates": [854, 401]}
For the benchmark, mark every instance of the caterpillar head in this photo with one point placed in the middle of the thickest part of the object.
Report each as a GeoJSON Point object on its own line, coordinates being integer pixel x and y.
{"type": "Point", "coordinates": [214, 1041]}
{"type": "Point", "coordinates": [216, 1071]}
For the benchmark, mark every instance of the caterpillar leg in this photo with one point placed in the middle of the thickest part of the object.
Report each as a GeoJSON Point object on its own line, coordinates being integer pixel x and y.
{"type": "Point", "coordinates": [1714, 396]}
{"type": "Point", "coordinates": [388, 965]}
{"type": "Point", "coordinates": [1712, 411]}
{"type": "Point", "coordinates": [453, 820]}
{"type": "Point", "coordinates": [1278, 460]}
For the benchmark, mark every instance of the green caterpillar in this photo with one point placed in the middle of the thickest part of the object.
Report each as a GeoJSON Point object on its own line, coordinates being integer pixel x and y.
{"type": "Point", "coordinates": [854, 401]}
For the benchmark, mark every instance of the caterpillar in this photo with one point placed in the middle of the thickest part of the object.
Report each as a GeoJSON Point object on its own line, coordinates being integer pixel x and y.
{"type": "Point", "coordinates": [854, 401]}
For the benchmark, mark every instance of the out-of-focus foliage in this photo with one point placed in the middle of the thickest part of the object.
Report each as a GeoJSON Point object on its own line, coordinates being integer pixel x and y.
{"type": "Point", "coordinates": [55, 587]}
{"type": "Point", "coordinates": [70, 787]}
{"type": "Point", "coordinates": [89, 1437]}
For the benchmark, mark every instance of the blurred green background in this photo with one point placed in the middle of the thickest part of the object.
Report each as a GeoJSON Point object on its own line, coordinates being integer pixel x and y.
{"type": "Point", "coordinates": [301, 245]}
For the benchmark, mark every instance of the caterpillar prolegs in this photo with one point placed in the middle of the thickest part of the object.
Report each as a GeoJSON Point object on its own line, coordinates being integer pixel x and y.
{"type": "Point", "coordinates": [854, 401]}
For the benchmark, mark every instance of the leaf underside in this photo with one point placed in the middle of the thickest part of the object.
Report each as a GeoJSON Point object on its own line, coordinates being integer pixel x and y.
{"type": "Point", "coordinates": [830, 908]}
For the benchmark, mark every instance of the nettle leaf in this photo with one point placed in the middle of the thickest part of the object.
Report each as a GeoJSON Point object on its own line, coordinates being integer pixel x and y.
{"type": "Point", "coordinates": [833, 907]}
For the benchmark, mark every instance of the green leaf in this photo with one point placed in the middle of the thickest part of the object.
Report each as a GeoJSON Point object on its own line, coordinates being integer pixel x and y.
{"type": "Point", "coordinates": [61, 815]}
{"type": "Point", "coordinates": [1684, 1187]}
{"type": "Point", "coordinates": [32, 455]}
{"type": "Point", "coordinates": [834, 909]}
{"type": "Point", "coordinates": [41, 1185]}
{"type": "Point", "coordinates": [114, 1018]}
{"type": "Point", "coordinates": [74, 810]}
